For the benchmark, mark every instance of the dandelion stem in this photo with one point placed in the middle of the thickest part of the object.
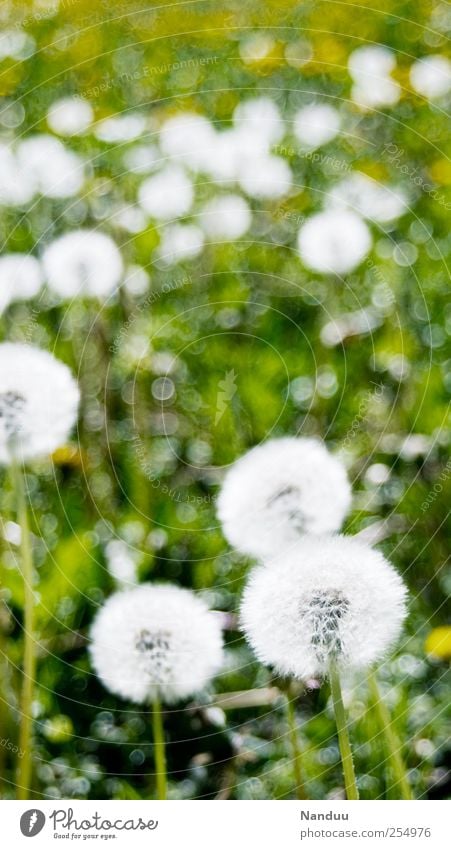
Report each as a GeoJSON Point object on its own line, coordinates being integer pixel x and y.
{"type": "Point", "coordinates": [159, 750]}
{"type": "Point", "coordinates": [392, 743]}
{"type": "Point", "coordinates": [343, 736]}
{"type": "Point", "coordinates": [24, 767]}
{"type": "Point", "coordinates": [297, 757]}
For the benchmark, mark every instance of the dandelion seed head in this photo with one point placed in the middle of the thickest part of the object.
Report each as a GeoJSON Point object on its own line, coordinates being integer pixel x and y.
{"type": "Point", "coordinates": [330, 595]}
{"type": "Point", "coordinates": [70, 116]}
{"type": "Point", "coordinates": [260, 117]}
{"type": "Point", "coordinates": [431, 76]}
{"type": "Point", "coordinates": [11, 412]}
{"type": "Point", "coordinates": [189, 138]}
{"type": "Point", "coordinates": [280, 490]}
{"type": "Point", "coordinates": [369, 198]}
{"type": "Point", "coordinates": [226, 218]}
{"type": "Point", "coordinates": [16, 187]}
{"type": "Point", "coordinates": [156, 641]}
{"type": "Point", "coordinates": [370, 67]}
{"type": "Point", "coordinates": [232, 149]}
{"type": "Point", "coordinates": [54, 171]}
{"type": "Point", "coordinates": [142, 158]}
{"type": "Point", "coordinates": [334, 241]}
{"type": "Point", "coordinates": [120, 128]}
{"type": "Point", "coordinates": [130, 218]}
{"type": "Point", "coordinates": [316, 124]}
{"type": "Point", "coordinates": [82, 262]}
{"type": "Point", "coordinates": [372, 60]}
{"type": "Point", "coordinates": [136, 280]}
{"type": "Point", "coordinates": [256, 47]}
{"type": "Point", "coordinates": [167, 194]}
{"type": "Point", "coordinates": [180, 242]}
{"type": "Point", "coordinates": [322, 610]}
{"type": "Point", "coordinates": [381, 92]}
{"type": "Point", "coordinates": [20, 278]}
{"type": "Point", "coordinates": [16, 44]}
{"type": "Point", "coordinates": [38, 402]}
{"type": "Point", "coordinates": [121, 563]}
{"type": "Point", "coordinates": [265, 176]}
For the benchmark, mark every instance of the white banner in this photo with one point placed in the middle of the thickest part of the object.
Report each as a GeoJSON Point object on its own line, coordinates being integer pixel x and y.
{"type": "Point", "coordinates": [226, 825]}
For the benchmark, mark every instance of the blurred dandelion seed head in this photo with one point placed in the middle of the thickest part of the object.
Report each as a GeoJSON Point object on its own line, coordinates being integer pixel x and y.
{"type": "Point", "coordinates": [334, 241]}
{"type": "Point", "coordinates": [279, 490]}
{"type": "Point", "coordinates": [83, 262]}
{"type": "Point", "coordinates": [20, 278]}
{"type": "Point", "coordinates": [38, 402]}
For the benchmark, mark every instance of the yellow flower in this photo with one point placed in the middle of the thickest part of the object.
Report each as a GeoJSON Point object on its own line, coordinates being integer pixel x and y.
{"type": "Point", "coordinates": [438, 642]}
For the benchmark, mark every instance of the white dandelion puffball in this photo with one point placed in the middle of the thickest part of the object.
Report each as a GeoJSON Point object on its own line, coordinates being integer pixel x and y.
{"type": "Point", "coordinates": [130, 218]}
{"type": "Point", "coordinates": [121, 563]}
{"type": "Point", "coordinates": [327, 596]}
{"type": "Point", "coordinates": [17, 188]}
{"type": "Point", "coordinates": [38, 402]}
{"type": "Point", "coordinates": [188, 137]}
{"type": "Point", "coordinates": [83, 262]}
{"type": "Point", "coordinates": [280, 490]}
{"type": "Point", "coordinates": [136, 280]}
{"type": "Point", "coordinates": [369, 198]}
{"type": "Point", "coordinates": [334, 241]}
{"type": "Point", "coordinates": [180, 242]}
{"type": "Point", "coordinates": [380, 92]}
{"type": "Point", "coordinates": [261, 118]}
{"type": "Point", "coordinates": [370, 68]}
{"type": "Point", "coordinates": [232, 150]}
{"type": "Point", "coordinates": [316, 124]}
{"type": "Point", "coordinates": [431, 76]}
{"type": "Point", "coordinates": [166, 195]}
{"type": "Point", "coordinates": [256, 47]}
{"type": "Point", "coordinates": [225, 218]}
{"type": "Point", "coordinates": [70, 116]}
{"type": "Point", "coordinates": [16, 44]}
{"type": "Point", "coordinates": [371, 61]}
{"type": "Point", "coordinates": [20, 278]}
{"type": "Point", "coordinates": [265, 177]}
{"type": "Point", "coordinates": [55, 171]}
{"type": "Point", "coordinates": [156, 641]}
{"type": "Point", "coordinates": [142, 158]}
{"type": "Point", "coordinates": [120, 128]}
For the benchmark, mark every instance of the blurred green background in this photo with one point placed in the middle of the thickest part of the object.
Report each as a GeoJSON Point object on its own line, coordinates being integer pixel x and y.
{"type": "Point", "coordinates": [248, 313]}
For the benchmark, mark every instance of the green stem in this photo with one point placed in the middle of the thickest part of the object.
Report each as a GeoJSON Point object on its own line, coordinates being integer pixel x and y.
{"type": "Point", "coordinates": [297, 757]}
{"type": "Point", "coordinates": [159, 750]}
{"type": "Point", "coordinates": [3, 721]}
{"type": "Point", "coordinates": [24, 766]}
{"type": "Point", "coordinates": [343, 736]}
{"type": "Point", "coordinates": [392, 743]}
